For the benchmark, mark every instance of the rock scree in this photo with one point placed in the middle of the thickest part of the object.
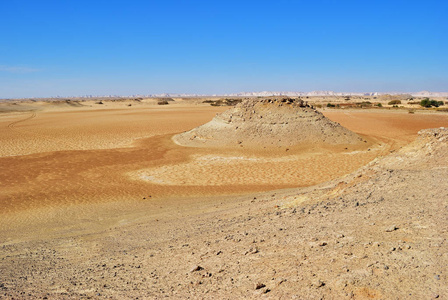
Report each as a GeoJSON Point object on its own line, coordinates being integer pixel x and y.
{"type": "Point", "coordinates": [269, 123]}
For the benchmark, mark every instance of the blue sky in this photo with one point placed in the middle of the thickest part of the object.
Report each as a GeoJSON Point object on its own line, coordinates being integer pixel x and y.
{"type": "Point", "coordinates": [69, 48]}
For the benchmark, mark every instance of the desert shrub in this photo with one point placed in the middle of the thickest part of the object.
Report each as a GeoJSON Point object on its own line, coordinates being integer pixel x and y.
{"type": "Point", "coordinates": [363, 104]}
{"type": "Point", "coordinates": [162, 102]}
{"type": "Point", "coordinates": [330, 105]}
{"type": "Point", "coordinates": [379, 105]}
{"type": "Point", "coordinates": [425, 102]}
{"type": "Point", "coordinates": [394, 102]}
{"type": "Point", "coordinates": [428, 103]}
{"type": "Point", "coordinates": [225, 102]}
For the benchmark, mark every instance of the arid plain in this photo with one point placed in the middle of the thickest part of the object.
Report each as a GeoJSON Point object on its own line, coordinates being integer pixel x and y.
{"type": "Point", "coordinates": [93, 191]}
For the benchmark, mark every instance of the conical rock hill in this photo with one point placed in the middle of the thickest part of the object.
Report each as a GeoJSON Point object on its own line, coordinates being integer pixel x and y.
{"type": "Point", "coordinates": [268, 123]}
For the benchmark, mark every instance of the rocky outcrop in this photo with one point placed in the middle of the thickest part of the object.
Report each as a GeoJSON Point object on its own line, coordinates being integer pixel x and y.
{"type": "Point", "coordinates": [430, 149]}
{"type": "Point", "coordinates": [268, 122]}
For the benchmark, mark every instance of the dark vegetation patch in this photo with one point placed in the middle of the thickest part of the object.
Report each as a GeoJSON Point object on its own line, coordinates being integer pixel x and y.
{"type": "Point", "coordinates": [429, 103]}
{"type": "Point", "coordinates": [223, 102]}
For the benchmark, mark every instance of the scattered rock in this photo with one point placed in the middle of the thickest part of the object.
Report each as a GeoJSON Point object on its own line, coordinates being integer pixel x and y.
{"type": "Point", "coordinates": [318, 283]}
{"type": "Point", "coordinates": [259, 286]}
{"type": "Point", "coordinates": [197, 268]}
{"type": "Point", "coordinates": [252, 250]}
{"type": "Point", "coordinates": [391, 228]}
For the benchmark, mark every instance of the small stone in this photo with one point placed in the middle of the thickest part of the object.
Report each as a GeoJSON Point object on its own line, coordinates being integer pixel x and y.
{"type": "Point", "coordinates": [437, 277]}
{"type": "Point", "coordinates": [197, 268]}
{"type": "Point", "coordinates": [253, 250]}
{"type": "Point", "coordinates": [318, 283]}
{"type": "Point", "coordinates": [280, 281]}
{"type": "Point", "coordinates": [259, 286]}
{"type": "Point", "coordinates": [391, 228]}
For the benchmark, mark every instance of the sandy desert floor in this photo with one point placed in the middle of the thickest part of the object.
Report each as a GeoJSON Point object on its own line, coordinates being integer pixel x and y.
{"type": "Point", "coordinates": [76, 179]}
{"type": "Point", "coordinates": [83, 155]}
{"type": "Point", "coordinates": [61, 156]}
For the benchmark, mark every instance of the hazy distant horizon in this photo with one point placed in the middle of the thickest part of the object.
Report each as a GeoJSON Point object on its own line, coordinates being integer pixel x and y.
{"type": "Point", "coordinates": [247, 94]}
{"type": "Point", "coordinates": [52, 48]}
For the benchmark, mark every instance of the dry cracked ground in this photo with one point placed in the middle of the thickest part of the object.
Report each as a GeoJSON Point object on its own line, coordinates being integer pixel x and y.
{"type": "Point", "coordinates": [378, 233]}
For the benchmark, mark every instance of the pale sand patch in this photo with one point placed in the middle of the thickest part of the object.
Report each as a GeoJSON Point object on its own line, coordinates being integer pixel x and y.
{"type": "Point", "coordinates": [217, 170]}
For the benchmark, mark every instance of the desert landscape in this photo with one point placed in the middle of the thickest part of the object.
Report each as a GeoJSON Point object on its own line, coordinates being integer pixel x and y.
{"type": "Point", "coordinates": [316, 197]}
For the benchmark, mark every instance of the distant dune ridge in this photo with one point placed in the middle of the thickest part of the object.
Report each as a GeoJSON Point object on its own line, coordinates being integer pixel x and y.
{"type": "Point", "coordinates": [268, 122]}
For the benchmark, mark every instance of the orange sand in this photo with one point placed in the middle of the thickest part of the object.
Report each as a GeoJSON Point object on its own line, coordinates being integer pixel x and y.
{"type": "Point", "coordinates": [86, 155]}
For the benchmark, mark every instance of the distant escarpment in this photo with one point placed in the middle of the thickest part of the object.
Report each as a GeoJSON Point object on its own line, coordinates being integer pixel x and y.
{"type": "Point", "coordinates": [268, 122]}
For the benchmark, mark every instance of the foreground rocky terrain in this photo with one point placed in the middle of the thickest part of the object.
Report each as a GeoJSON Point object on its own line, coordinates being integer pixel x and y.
{"type": "Point", "coordinates": [380, 232]}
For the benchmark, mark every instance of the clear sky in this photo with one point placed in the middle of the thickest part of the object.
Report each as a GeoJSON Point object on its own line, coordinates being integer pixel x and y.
{"type": "Point", "coordinates": [78, 47]}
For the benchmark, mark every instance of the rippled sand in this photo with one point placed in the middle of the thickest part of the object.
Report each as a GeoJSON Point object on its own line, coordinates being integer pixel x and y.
{"type": "Point", "coordinates": [123, 154]}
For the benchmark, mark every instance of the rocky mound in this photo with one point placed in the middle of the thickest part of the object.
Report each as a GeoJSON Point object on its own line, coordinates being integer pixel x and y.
{"type": "Point", "coordinates": [268, 122]}
{"type": "Point", "coordinates": [430, 149]}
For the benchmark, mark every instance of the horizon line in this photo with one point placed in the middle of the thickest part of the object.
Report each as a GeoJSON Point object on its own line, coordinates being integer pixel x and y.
{"type": "Point", "coordinates": [247, 94]}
